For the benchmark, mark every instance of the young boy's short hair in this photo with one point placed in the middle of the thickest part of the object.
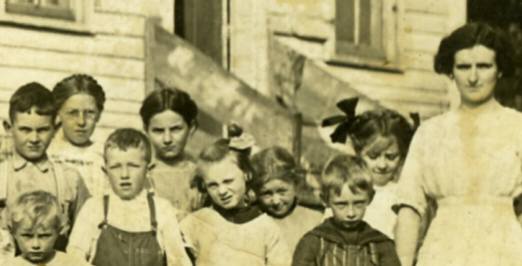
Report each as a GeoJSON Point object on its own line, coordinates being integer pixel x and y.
{"type": "Point", "coordinates": [36, 208]}
{"type": "Point", "coordinates": [125, 138]}
{"type": "Point", "coordinates": [32, 95]}
{"type": "Point", "coordinates": [345, 170]}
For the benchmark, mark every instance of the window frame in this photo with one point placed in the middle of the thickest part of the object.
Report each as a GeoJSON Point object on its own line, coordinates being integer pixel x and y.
{"type": "Point", "coordinates": [77, 22]}
{"type": "Point", "coordinates": [385, 57]}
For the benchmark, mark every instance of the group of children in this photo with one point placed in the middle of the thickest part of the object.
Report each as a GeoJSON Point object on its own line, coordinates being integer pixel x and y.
{"type": "Point", "coordinates": [140, 200]}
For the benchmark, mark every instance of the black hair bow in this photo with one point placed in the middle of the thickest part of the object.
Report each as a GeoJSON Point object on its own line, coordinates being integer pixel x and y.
{"type": "Point", "coordinates": [416, 120]}
{"type": "Point", "coordinates": [344, 122]}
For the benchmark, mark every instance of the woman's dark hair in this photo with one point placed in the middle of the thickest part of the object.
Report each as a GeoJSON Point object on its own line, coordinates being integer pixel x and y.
{"type": "Point", "coordinates": [166, 98]}
{"type": "Point", "coordinates": [220, 149]}
{"type": "Point", "coordinates": [76, 84]}
{"type": "Point", "coordinates": [275, 163]}
{"type": "Point", "coordinates": [369, 125]}
{"type": "Point", "coordinates": [472, 34]}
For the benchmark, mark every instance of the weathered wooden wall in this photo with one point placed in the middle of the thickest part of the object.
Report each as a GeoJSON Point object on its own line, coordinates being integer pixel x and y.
{"type": "Point", "coordinates": [308, 27]}
{"type": "Point", "coordinates": [113, 52]}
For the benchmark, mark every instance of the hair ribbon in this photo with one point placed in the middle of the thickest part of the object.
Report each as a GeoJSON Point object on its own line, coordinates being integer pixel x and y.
{"type": "Point", "coordinates": [343, 122]}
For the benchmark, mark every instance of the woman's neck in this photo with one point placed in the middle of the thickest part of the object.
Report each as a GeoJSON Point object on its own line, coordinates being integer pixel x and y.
{"type": "Point", "coordinates": [487, 106]}
{"type": "Point", "coordinates": [170, 162]}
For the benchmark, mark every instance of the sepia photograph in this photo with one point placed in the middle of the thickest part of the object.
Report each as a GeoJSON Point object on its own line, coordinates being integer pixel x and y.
{"type": "Point", "coordinates": [260, 132]}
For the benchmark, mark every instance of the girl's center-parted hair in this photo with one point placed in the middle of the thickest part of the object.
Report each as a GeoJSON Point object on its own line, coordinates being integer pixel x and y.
{"type": "Point", "coordinates": [36, 209]}
{"type": "Point", "coordinates": [275, 163]}
{"type": "Point", "coordinates": [368, 126]}
{"type": "Point", "coordinates": [220, 150]}
{"type": "Point", "coordinates": [77, 84]}
{"type": "Point", "coordinates": [125, 138]}
{"type": "Point", "coordinates": [168, 98]}
{"type": "Point", "coordinates": [343, 170]}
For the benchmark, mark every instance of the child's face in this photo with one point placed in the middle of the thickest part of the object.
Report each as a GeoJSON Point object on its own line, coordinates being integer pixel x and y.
{"type": "Point", "coordinates": [126, 170]}
{"type": "Point", "coordinates": [79, 115]}
{"type": "Point", "coordinates": [168, 133]}
{"type": "Point", "coordinates": [278, 197]}
{"type": "Point", "coordinates": [348, 207]}
{"type": "Point", "coordinates": [383, 159]}
{"type": "Point", "coordinates": [36, 244]}
{"type": "Point", "coordinates": [225, 183]}
{"type": "Point", "coordinates": [32, 134]}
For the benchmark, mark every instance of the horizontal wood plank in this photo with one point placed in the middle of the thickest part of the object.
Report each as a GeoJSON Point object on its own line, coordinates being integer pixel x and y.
{"type": "Point", "coordinates": [109, 23]}
{"type": "Point", "coordinates": [421, 42]}
{"type": "Point", "coordinates": [107, 45]}
{"type": "Point", "coordinates": [115, 88]}
{"type": "Point", "coordinates": [427, 6]}
{"type": "Point", "coordinates": [414, 21]}
{"type": "Point", "coordinates": [410, 79]}
{"type": "Point", "coordinates": [56, 61]}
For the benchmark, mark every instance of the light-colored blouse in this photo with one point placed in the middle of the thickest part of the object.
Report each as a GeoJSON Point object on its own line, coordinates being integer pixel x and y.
{"type": "Point", "coordinates": [470, 163]}
{"type": "Point", "coordinates": [218, 242]}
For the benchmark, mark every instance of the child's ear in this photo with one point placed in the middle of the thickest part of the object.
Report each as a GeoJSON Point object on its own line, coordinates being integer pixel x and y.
{"type": "Point", "coordinates": [193, 128]}
{"type": "Point", "coordinates": [7, 126]}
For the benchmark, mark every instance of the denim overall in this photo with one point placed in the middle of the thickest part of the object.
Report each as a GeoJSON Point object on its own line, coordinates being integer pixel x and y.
{"type": "Point", "coordinates": [116, 247]}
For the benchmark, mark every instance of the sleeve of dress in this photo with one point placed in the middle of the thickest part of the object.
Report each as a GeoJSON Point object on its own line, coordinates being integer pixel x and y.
{"type": "Point", "coordinates": [189, 232]}
{"type": "Point", "coordinates": [82, 241]}
{"type": "Point", "coordinates": [171, 234]}
{"type": "Point", "coordinates": [411, 190]}
{"type": "Point", "coordinates": [307, 251]}
{"type": "Point", "coordinates": [278, 253]}
{"type": "Point", "coordinates": [388, 255]}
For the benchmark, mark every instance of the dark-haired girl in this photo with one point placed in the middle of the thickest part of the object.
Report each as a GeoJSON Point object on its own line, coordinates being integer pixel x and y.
{"type": "Point", "coordinates": [276, 182]}
{"type": "Point", "coordinates": [381, 138]}
{"type": "Point", "coordinates": [80, 101]}
{"type": "Point", "coordinates": [234, 231]}
{"type": "Point", "coordinates": [169, 119]}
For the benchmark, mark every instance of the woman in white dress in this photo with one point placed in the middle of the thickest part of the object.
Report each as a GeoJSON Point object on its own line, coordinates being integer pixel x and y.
{"type": "Point", "coordinates": [468, 161]}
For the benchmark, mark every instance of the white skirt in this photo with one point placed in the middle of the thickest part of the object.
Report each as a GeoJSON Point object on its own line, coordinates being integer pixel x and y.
{"type": "Point", "coordinates": [473, 232]}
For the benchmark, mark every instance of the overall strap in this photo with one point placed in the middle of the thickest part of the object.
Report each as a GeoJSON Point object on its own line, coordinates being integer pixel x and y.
{"type": "Point", "coordinates": [152, 210]}
{"type": "Point", "coordinates": [105, 211]}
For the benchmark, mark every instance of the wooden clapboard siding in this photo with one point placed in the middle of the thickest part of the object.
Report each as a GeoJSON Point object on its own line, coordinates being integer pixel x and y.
{"type": "Point", "coordinates": [118, 24]}
{"type": "Point", "coordinates": [99, 45]}
{"type": "Point", "coordinates": [428, 6]}
{"type": "Point", "coordinates": [114, 53]}
{"type": "Point", "coordinates": [63, 61]}
{"type": "Point", "coordinates": [413, 87]}
{"type": "Point", "coordinates": [115, 88]}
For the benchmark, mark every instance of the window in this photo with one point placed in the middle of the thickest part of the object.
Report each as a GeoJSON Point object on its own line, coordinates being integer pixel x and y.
{"type": "Point", "coordinates": [60, 9]}
{"type": "Point", "coordinates": [365, 32]}
{"type": "Point", "coordinates": [62, 15]}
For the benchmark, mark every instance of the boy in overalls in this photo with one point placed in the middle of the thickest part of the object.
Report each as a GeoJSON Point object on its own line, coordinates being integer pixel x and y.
{"type": "Point", "coordinates": [124, 228]}
{"type": "Point", "coordinates": [32, 125]}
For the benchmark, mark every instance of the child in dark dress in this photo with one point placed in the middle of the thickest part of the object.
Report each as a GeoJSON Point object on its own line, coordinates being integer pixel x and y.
{"type": "Point", "coordinates": [345, 239]}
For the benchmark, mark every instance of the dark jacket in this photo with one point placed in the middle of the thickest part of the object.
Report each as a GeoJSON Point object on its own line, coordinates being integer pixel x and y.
{"type": "Point", "coordinates": [330, 244]}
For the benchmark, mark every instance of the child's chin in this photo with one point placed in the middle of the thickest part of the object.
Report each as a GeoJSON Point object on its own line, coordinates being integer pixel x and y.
{"type": "Point", "coordinates": [350, 225]}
